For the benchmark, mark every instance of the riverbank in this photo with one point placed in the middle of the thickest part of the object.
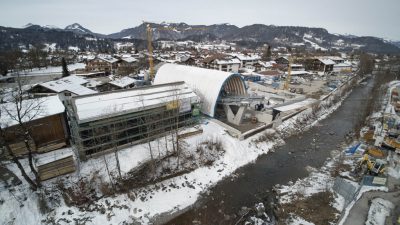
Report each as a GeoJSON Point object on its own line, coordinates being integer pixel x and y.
{"type": "Point", "coordinates": [154, 204]}
{"type": "Point", "coordinates": [337, 193]}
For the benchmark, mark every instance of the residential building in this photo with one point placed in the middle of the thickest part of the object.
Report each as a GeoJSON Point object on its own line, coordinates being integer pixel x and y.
{"type": "Point", "coordinates": [247, 61]}
{"type": "Point", "coordinates": [107, 64]}
{"type": "Point", "coordinates": [68, 86]}
{"type": "Point", "coordinates": [323, 65]}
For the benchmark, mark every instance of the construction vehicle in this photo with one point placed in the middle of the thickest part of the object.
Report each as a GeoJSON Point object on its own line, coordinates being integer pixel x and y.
{"type": "Point", "coordinates": [375, 152]}
{"type": "Point", "coordinates": [391, 143]}
{"type": "Point", "coordinates": [374, 166]}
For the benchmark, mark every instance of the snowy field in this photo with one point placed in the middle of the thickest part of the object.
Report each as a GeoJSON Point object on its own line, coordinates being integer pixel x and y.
{"type": "Point", "coordinates": [148, 202]}
{"type": "Point", "coordinates": [50, 70]}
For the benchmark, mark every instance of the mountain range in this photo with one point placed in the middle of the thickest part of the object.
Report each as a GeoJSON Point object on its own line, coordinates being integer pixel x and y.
{"type": "Point", "coordinates": [294, 36]}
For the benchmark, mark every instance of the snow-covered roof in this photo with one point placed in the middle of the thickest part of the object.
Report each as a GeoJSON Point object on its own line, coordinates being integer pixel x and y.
{"type": "Point", "coordinates": [246, 57]}
{"type": "Point", "coordinates": [267, 64]}
{"type": "Point", "coordinates": [327, 61]}
{"type": "Point", "coordinates": [103, 105]}
{"type": "Point", "coordinates": [123, 82]}
{"type": "Point", "coordinates": [35, 109]}
{"type": "Point", "coordinates": [205, 82]}
{"type": "Point", "coordinates": [227, 61]}
{"type": "Point", "coordinates": [343, 65]}
{"type": "Point", "coordinates": [294, 73]}
{"type": "Point", "coordinates": [129, 59]}
{"type": "Point", "coordinates": [71, 83]}
{"type": "Point", "coordinates": [334, 58]}
{"type": "Point", "coordinates": [296, 65]}
{"type": "Point", "coordinates": [108, 59]}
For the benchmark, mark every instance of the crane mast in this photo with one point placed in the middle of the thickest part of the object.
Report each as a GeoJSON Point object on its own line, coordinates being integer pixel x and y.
{"type": "Point", "coordinates": [289, 76]}
{"type": "Point", "coordinates": [150, 50]}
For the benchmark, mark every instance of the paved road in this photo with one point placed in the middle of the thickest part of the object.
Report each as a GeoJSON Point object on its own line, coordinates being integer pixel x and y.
{"type": "Point", "coordinates": [359, 213]}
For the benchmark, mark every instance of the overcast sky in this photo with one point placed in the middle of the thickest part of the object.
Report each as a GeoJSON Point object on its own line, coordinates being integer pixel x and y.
{"type": "Point", "coordinates": [358, 17]}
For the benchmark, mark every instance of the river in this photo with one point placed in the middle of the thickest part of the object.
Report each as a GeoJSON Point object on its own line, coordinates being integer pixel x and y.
{"type": "Point", "coordinates": [288, 163]}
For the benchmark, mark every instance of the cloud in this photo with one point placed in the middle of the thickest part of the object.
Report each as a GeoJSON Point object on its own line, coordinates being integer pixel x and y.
{"type": "Point", "coordinates": [359, 17]}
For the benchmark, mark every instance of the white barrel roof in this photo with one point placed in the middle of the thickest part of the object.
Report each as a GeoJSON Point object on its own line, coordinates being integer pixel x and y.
{"type": "Point", "coordinates": [205, 82]}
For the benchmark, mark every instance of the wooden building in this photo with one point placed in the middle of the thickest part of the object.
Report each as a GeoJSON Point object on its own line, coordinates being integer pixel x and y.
{"type": "Point", "coordinates": [56, 163]}
{"type": "Point", "coordinates": [323, 65]}
{"type": "Point", "coordinates": [105, 64]}
{"type": "Point", "coordinates": [118, 84]}
{"type": "Point", "coordinates": [127, 65]}
{"type": "Point", "coordinates": [282, 61]}
{"type": "Point", "coordinates": [69, 86]}
{"type": "Point", "coordinates": [189, 61]}
{"type": "Point", "coordinates": [47, 127]}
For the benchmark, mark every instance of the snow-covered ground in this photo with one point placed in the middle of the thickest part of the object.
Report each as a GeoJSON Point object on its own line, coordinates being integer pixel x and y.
{"type": "Point", "coordinates": [295, 220]}
{"type": "Point", "coordinates": [378, 211]}
{"type": "Point", "coordinates": [168, 196]}
{"type": "Point", "coordinates": [51, 70]}
{"type": "Point", "coordinates": [147, 204]}
{"type": "Point", "coordinates": [313, 44]}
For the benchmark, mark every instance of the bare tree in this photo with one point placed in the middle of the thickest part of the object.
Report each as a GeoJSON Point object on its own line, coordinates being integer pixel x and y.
{"type": "Point", "coordinates": [175, 134]}
{"type": "Point", "coordinates": [146, 120]}
{"type": "Point", "coordinates": [15, 159]}
{"type": "Point", "coordinates": [113, 131]}
{"type": "Point", "coordinates": [21, 111]}
{"type": "Point", "coordinates": [366, 64]}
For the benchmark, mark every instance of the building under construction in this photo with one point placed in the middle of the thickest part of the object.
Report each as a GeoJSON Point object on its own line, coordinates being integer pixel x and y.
{"type": "Point", "coordinates": [107, 121]}
{"type": "Point", "coordinates": [223, 94]}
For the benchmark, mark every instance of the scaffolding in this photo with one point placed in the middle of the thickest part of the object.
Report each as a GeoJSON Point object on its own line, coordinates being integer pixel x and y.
{"type": "Point", "coordinates": [121, 130]}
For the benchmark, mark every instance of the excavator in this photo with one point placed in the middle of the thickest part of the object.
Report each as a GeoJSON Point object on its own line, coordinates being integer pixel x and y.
{"type": "Point", "coordinates": [374, 166]}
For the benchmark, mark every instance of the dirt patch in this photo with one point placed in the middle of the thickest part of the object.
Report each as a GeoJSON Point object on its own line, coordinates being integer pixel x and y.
{"type": "Point", "coordinates": [316, 209]}
{"type": "Point", "coordinates": [339, 168]}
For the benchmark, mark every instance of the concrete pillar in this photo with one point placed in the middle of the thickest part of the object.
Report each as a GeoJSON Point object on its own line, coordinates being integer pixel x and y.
{"type": "Point", "coordinates": [229, 114]}
{"type": "Point", "coordinates": [239, 115]}
{"type": "Point", "coordinates": [232, 118]}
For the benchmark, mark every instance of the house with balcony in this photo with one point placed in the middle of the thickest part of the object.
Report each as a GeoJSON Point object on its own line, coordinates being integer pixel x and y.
{"type": "Point", "coordinates": [107, 64]}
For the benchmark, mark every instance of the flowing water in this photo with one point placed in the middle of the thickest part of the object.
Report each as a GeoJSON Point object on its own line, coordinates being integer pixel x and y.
{"type": "Point", "coordinates": [288, 163]}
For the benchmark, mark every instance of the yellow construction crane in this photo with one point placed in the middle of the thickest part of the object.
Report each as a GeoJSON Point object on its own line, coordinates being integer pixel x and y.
{"type": "Point", "coordinates": [150, 51]}
{"type": "Point", "coordinates": [149, 32]}
{"type": "Point", "coordinates": [289, 76]}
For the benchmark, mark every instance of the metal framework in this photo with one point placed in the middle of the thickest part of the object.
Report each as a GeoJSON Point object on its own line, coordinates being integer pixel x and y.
{"type": "Point", "coordinates": [117, 131]}
{"type": "Point", "coordinates": [105, 135]}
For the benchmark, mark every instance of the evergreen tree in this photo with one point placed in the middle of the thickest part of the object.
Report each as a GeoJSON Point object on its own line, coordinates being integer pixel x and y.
{"type": "Point", "coordinates": [267, 54]}
{"type": "Point", "coordinates": [65, 72]}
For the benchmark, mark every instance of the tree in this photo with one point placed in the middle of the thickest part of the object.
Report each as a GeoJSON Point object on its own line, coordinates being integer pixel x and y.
{"type": "Point", "coordinates": [65, 72]}
{"type": "Point", "coordinates": [14, 158]}
{"type": "Point", "coordinates": [37, 58]}
{"type": "Point", "coordinates": [366, 64]}
{"type": "Point", "coordinates": [20, 111]}
{"type": "Point", "coordinates": [267, 54]}
{"type": "Point", "coordinates": [147, 121]}
{"type": "Point", "coordinates": [8, 61]}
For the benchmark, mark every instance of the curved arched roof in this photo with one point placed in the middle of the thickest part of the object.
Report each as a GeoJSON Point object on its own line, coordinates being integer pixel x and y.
{"type": "Point", "coordinates": [205, 82]}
